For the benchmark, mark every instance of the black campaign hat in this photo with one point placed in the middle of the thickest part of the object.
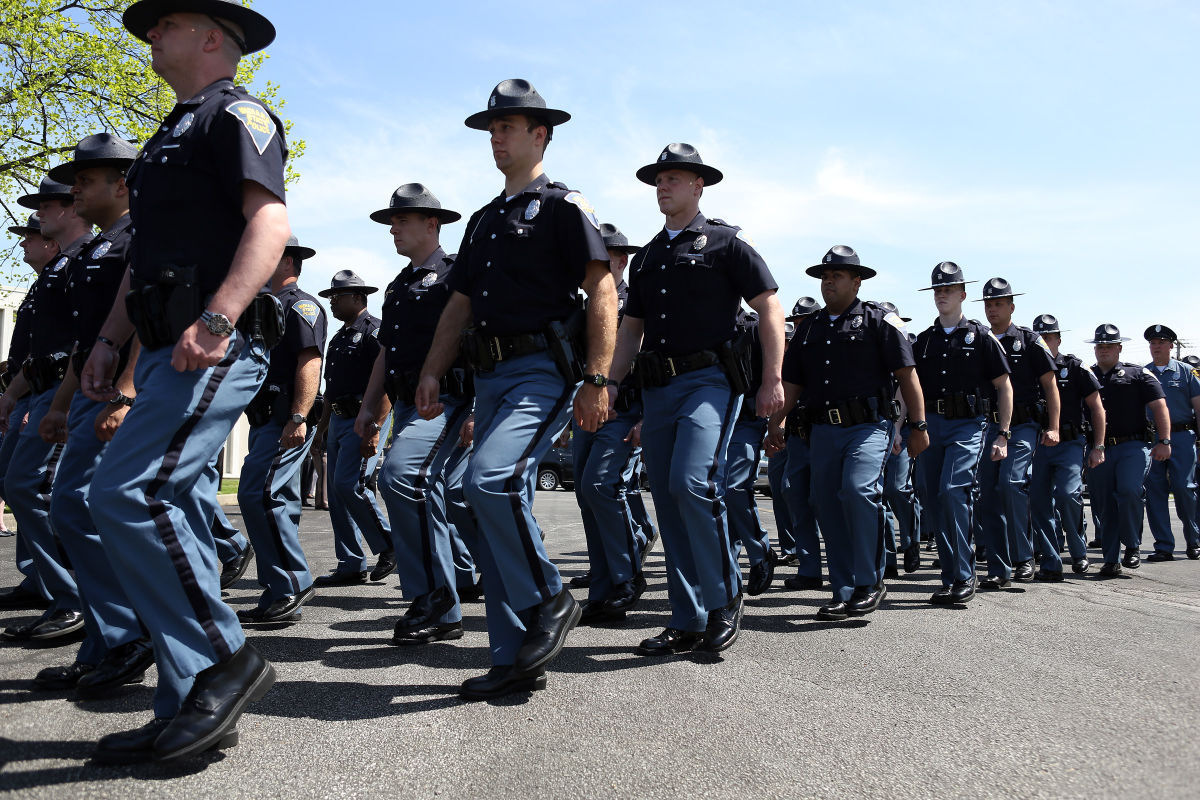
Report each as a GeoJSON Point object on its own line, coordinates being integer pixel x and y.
{"type": "Point", "coordinates": [515, 96]}
{"type": "Point", "coordinates": [296, 250]}
{"type": "Point", "coordinates": [414, 197]}
{"type": "Point", "coordinates": [615, 240]}
{"type": "Point", "coordinates": [1160, 332]}
{"type": "Point", "coordinates": [890, 308]}
{"type": "Point", "coordinates": [1192, 361]}
{"type": "Point", "coordinates": [680, 155]}
{"type": "Point", "coordinates": [1108, 334]}
{"type": "Point", "coordinates": [143, 15]}
{"type": "Point", "coordinates": [996, 288]}
{"type": "Point", "coordinates": [34, 225]}
{"type": "Point", "coordinates": [346, 280]}
{"type": "Point", "coordinates": [98, 150]}
{"type": "Point", "coordinates": [49, 189]}
{"type": "Point", "coordinates": [840, 257]}
{"type": "Point", "coordinates": [804, 306]}
{"type": "Point", "coordinates": [946, 273]}
{"type": "Point", "coordinates": [1046, 323]}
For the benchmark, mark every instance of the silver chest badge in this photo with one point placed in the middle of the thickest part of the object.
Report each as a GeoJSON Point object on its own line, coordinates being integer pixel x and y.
{"type": "Point", "coordinates": [1063, 372]}
{"type": "Point", "coordinates": [183, 125]}
{"type": "Point", "coordinates": [429, 280]}
{"type": "Point", "coordinates": [856, 322]}
{"type": "Point", "coordinates": [700, 243]}
{"type": "Point", "coordinates": [62, 262]}
{"type": "Point", "coordinates": [101, 249]}
{"type": "Point", "coordinates": [533, 208]}
{"type": "Point", "coordinates": [1017, 346]}
{"type": "Point", "coordinates": [357, 337]}
{"type": "Point", "coordinates": [969, 338]}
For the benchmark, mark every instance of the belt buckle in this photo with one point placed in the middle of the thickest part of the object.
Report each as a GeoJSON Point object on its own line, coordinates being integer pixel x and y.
{"type": "Point", "coordinates": [671, 367]}
{"type": "Point", "coordinates": [494, 349]}
{"type": "Point", "coordinates": [940, 406]}
{"type": "Point", "coordinates": [834, 416]}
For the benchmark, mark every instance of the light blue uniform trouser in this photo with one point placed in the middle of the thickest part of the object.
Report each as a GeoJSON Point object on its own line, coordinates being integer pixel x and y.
{"type": "Point", "coordinates": [32, 582]}
{"type": "Point", "coordinates": [604, 464]}
{"type": "Point", "coordinates": [1003, 511]}
{"type": "Point", "coordinates": [460, 517]}
{"type": "Point", "coordinates": [414, 490]}
{"type": "Point", "coordinates": [948, 473]}
{"type": "Point", "coordinates": [685, 435]}
{"type": "Point", "coordinates": [776, 471]}
{"type": "Point", "coordinates": [1115, 488]}
{"type": "Point", "coordinates": [1056, 496]}
{"type": "Point", "coordinates": [1178, 475]}
{"type": "Point", "coordinates": [797, 492]}
{"type": "Point", "coordinates": [108, 615]}
{"type": "Point", "coordinates": [231, 542]}
{"type": "Point", "coordinates": [741, 473]}
{"type": "Point", "coordinates": [847, 494]}
{"type": "Point", "coordinates": [643, 526]}
{"type": "Point", "coordinates": [269, 498]}
{"type": "Point", "coordinates": [353, 510]}
{"type": "Point", "coordinates": [156, 517]}
{"type": "Point", "coordinates": [27, 486]}
{"type": "Point", "coordinates": [520, 409]}
{"type": "Point", "coordinates": [900, 496]}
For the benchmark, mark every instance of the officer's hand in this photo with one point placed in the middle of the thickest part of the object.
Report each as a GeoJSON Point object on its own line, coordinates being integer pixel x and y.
{"type": "Point", "coordinates": [1000, 449]}
{"type": "Point", "coordinates": [896, 442]}
{"type": "Point", "coordinates": [918, 442]}
{"type": "Point", "coordinates": [466, 434]}
{"type": "Point", "coordinates": [1161, 452]}
{"type": "Point", "coordinates": [109, 420]}
{"type": "Point", "coordinates": [775, 441]}
{"type": "Point", "coordinates": [370, 445]}
{"type": "Point", "coordinates": [1050, 438]}
{"type": "Point", "coordinates": [96, 380]}
{"type": "Point", "coordinates": [1095, 458]}
{"type": "Point", "coordinates": [6, 407]}
{"type": "Point", "coordinates": [293, 434]}
{"type": "Point", "coordinates": [198, 349]}
{"type": "Point", "coordinates": [364, 423]}
{"type": "Point", "coordinates": [427, 401]}
{"type": "Point", "coordinates": [612, 401]}
{"type": "Point", "coordinates": [634, 437]}
{"type": "Point", "coordinates": [769, 398]}
{"type": "Point", "coordinates": [591, 407]}
{"type": "Point", "coordinates": [53, 427]}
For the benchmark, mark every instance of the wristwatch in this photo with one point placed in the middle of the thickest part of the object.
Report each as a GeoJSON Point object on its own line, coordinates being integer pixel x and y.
{"type": "Point", "coordinates": [596, 380]}
{"type": "Point", "coordinates": [298, 419]}
{"type": "Point", "coordinates": [919, 425]}
{"type": "Point", "coordinates": [1167, 442]}
{"type": "Point", "coordinates": [121, 400]}
{"type": "Point", "coordinates": [1099, 447]}
{"type": "Point", "coordinates": [218, 324]}
{"type": "Point", "coordinates": [1006, 434]}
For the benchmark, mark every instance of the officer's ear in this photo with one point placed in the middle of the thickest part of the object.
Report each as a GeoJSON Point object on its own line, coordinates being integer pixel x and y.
{"type": "Point", "coordinates": [699, 184]}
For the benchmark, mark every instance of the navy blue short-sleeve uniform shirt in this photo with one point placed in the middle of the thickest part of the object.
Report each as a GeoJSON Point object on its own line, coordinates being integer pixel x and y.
{"type": "Point", "coordinates": [51, 320]}
{"type": "Point", "coordinates": [1029, 358]}
{"type": "Point", "coordinates": [305, 327]}
{"type": "Point", "coordinates": [351, 356]}
{"type": "Point", "coordinates": [412, 305]}
{"type": "Point", "coordinates": [1075, 383]}
{"type": "Point", "coordinates": [1125, 390]}
{"type": "Point", "coordinates": [965, 360]}
{"type": "Point", "coordinates": [95, 278]}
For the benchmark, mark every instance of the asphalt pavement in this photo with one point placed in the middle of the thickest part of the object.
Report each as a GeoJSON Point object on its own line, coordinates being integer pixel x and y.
{"type": "Point", "coordinates": [1085, 689]}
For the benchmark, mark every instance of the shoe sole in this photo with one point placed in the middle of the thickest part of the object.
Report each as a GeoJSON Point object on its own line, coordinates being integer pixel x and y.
{"type": "Point", "coordinates": [669, 651]}
{"type": "Point", "coordinates": [524, 685]}
{"type": "Point", "coordinates": [217, 738]}
{"type": "Point", "coordinates": [440, 637]}
{"type": "Point", "coordinates": [47, 637]}
{"type": "Point", "coordinates": [105, 690]}
{"type": "Point", "coordinates": [576, 613]}
{"type": "Point", "coordinates": [227, 741]}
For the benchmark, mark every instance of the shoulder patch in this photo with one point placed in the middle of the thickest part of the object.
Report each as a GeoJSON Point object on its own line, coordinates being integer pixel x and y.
{"type": "Point", "coordinates": [1196, 372]}
{"type": "Point", "coordinates": [307, 310]}
{"type": "Point", "coordinates": [577, 199]}
{"type": "Point", "coordinates": [257, 121]}
{"type": "Point", "coordinates": [745, 237]}
{"type": "Point", "coordinates": [894, 320]}
{"type": "Point", "coordinates": [1042, 344]}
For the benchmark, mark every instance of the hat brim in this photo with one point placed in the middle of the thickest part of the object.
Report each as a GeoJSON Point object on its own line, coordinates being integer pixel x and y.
{"type": "Point", "coordinates": [816, 270]}
{"type": "Point", "coordinates": [627, 249]}
{"type": "Point", "coordinates": [940, 285]}
{"type": "Point", "coordinates": [384, 215]}
{"type": "Point", "coordinates": [1107, 341]}
{"type": "Point", "coordinates": [480, 120]}
{"type": "Point", "coordinates": [997, 297]}
{"type": "Point", "coordinates": [348, 290]}
{"type": "Point", "coordinates": [1150, 334]}
{"type": "Point", "coordinates": [300, 252]}
{"type": "Point", "coordinates": [33, 201]}
{"type": "Point", "coordinates": [23, 230]}
{"type": "Point", "coordinates": [143, 15]}
{"type": "Point", "coordinates": [65, 173]}
{"type": "Point", "coordinates": [648, 173]}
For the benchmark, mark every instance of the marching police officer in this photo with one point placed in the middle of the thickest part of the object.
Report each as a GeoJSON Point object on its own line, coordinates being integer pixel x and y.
{"type": "Point", "coordinates": [957, 360]}
{"type": "Point", "coordinates": [353, 509]}
{"type": "Point", "coordinates": [1056, 482]}
{"type": "Point", "coordinates": [209, 228]}
{"type": "Point", "coordinates": [686, 286]}
{"type": "Point", "coordinates": [1182, 390]}
{"type": "Point", "coordinates": [1130, 393]}
{"type": "Point", "coordinates": [843, 358]}
{"type": "Point", "coordinates": [522, 258]}
{"type": "Point", "coordinates": [1004, 485]}
{"type": "Point", "coordinates": [899, 493]}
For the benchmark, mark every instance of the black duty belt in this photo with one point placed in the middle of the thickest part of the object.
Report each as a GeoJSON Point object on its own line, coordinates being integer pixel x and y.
{"type": "Point", "coordinates": [347, 406]}
{"type": "Point", "coordinates": [1110, 441]}
{"type": "Point", "coordinates": [44, 372]}
{"type": "Point", "coordinates": [1177, 427]}
{"type": "Point", "coordinates": [797, 424]}
{"type": "Point", "coordinates": [1068, 432]}
{"type": "Point", "coordinates": [960, 405]}
{"type": "Point", "coordinates": [485, 352]}
{"type": "Point", "coordinates": [854, 411]}
{"type": "Point", "coordinates": [652, 369]}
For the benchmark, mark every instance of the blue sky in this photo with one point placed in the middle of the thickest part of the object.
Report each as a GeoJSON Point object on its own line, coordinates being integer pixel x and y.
{"type": "Point", "coordinates": [1049, 143]}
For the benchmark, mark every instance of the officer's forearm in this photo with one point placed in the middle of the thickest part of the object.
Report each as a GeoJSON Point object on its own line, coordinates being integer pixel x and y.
{"type": "Point", "coordinates": [910, 390]}
{"type": "Point", "coordinates": [257, 254]}
{"type": "Point", "coordinates": [601, 317]}
{"type": "Point", "coordinates": [19, 387]}
{"type": "Point", "coordinates": [64, 392]}
{"type": "Point", "coordinates": [1053, 401]}
{"type": "Point", "coordinates": [1196, 407]}
{"type": "Point", "coordinates": [771, 333]}
{"type": "Point", "coordinates": [448, 336]}
{"type": "Point", "coordinates": [117, 327]}
{"type": "Point", "coordinates": [1099, 419]}
{"type": "Point", "coordinates": [374, 391]}
{"type": "Point", "coordinates": [308, 379]}
{"type": "Point", "coordinates": [1162, 418]}
{"type": "Point", "coordinates": [629, 342]}
{"type": "Point", "coordinates": [1004, 397]}
{"type": "Point", "coordinates": [124, 383]}
{"type": "Point", "coordinates": [791, 393]}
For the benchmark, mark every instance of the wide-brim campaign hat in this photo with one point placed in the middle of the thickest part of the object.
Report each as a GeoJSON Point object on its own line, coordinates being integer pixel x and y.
{"type": "Point", "coordinates": [890, 308]}
{"type": "Point", "coordinates": [49, 189]}
{"type": "Point", "coordinates": [1046, 323]}
{"type": "Point", "coordinates": [347, 280]}
{"type": "Point", "coordinates": [997, 288]}
{"type": "Point", "coordinates": [947, 273]}
{"type": "Point", "coordinates": [98, 150]}
{"type": "Point", "coordinates": [414, 197]}
{"type": "Point", "coordinates": [143, 15]}
{"type": "Point", "coordinates": [615, 240]}
{"type": "Point", "coordinates": [680, 155]}
{"type": "Point", "coordinates": [34, 225]}
{"type": "Point", "coordinates": [1160, 332]}
{"type": "Point", "coordinates": [516, 96]}
{"type": "Point", "coordinates": [840, 257]}
{"type": "Point", "coordinates": [804, 306]}
{"type": "Point", "coordinates": [295, 249]}
{"type": "Point", "coordinates": [1192, 361]}
{"type": "Point", "coordinates": [1107, 334]}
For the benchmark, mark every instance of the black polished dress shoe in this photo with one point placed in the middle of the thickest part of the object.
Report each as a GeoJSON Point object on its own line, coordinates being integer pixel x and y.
{"type": "Point", "coordinates": [1080, 565]}
{"type": "Point", "coordinates": [218, 697]}
{"type": "Point", "coordinates": [722, 629]}
{"type": "Point", "coordinates": [943, 596]}
{"type": "Point", "coordinates": [53, 679]}
{"type": "Point", "coordinates": [20, 597]}
{"type": "Point", "coordinates": [500, 681]}
{"type": "Point", "coordinates": [582, 581]}
{"type": "Point", "coordinates": [1094, 543]}
{"type": "Point", "coordinates": [1160, 555]}
{"type": "Point", "coordinates": [834, 612]}
{"type": "Point", "coordinates": [426, 610]}
{"type": "Point", "coordinates": [437, 632]}
{"type": "Point", "coordinates": [470, 594]}
{"type": "Point", "coordinates": [121, 665]}
{"type": "Point", "coordinates": [786, 559]}
{"type": "Point", "coordinates": [891, 571]}
{"type": "Point", "coordinates": [232, 572]}
{"type": "Point", "coordinates": [647, 548]}
{"type": "Point", "coordinates": [597, 612]}
{"type": "Point", "coordinates": [762, 575]}
{"type": "Point", "coordinates": [962, 591]}
{"type": "Point", "coordinates": [993, 583]}
{"type": "Point", "coordinates": [1023, 572]}
{"type": "Point", "coordinates": [1049, 575]}
{"type": "Point", "coordinates": [625, 595]}
{"type": "Point", "coordinates": [385, 566]}
{"type": "Point", "coordinates": [671, 641]}
{"type": "Point", "coordinates": [337, 578]}
{"type": "Point", "coordinates": [547, 633]}
{"type": "Point", "coordinates": [137, 746]}
{"type": "Point", "coordinates": [1132, 558]}
{"type": "Point", "coordinates": [980, 555]}
{"type": "Point", "coordinates": [912, 557]}
{"type": "Point", "coordinates": [1193, 553]}
{"type": "Point", "coordinates": [803, 583]}
{"type": "Point", "coordinates": [1110, 570]}
{"type": "Point", "coordinates": [866, 599]}
{"type": "Point", "coordinates": [285, 609]}
{"type": "Point", "coordinates": [46, 628]}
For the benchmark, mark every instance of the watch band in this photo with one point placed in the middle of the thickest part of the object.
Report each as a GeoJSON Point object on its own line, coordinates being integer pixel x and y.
{"type": "Point", "coordinates": [1007, 435]}
{"type": "Point", "coordinates": [596, 379]}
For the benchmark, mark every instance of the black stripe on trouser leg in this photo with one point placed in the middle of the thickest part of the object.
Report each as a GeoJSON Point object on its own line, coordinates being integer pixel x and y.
{"type": "Point", "coordinates": [421, 495]}
{"type": "Point", "coordinates": [722, 530]}
{"type": "Point", "coordinates": [272, 524]}
{"type": "Point", "coordinates": [361, 490]}
{"type": "Point", "coordinates": [626, 516]}
{"type": "Point", "coordinates": [162, 520]}
{"type": "Point", "coordinates": [881, 512]}
{"type": "Point", "coordinates": [971, 494]}
{"type": "Point", "coordinates": [512, 488]}
{"type": "Point", "coordinates": [46, 487]}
